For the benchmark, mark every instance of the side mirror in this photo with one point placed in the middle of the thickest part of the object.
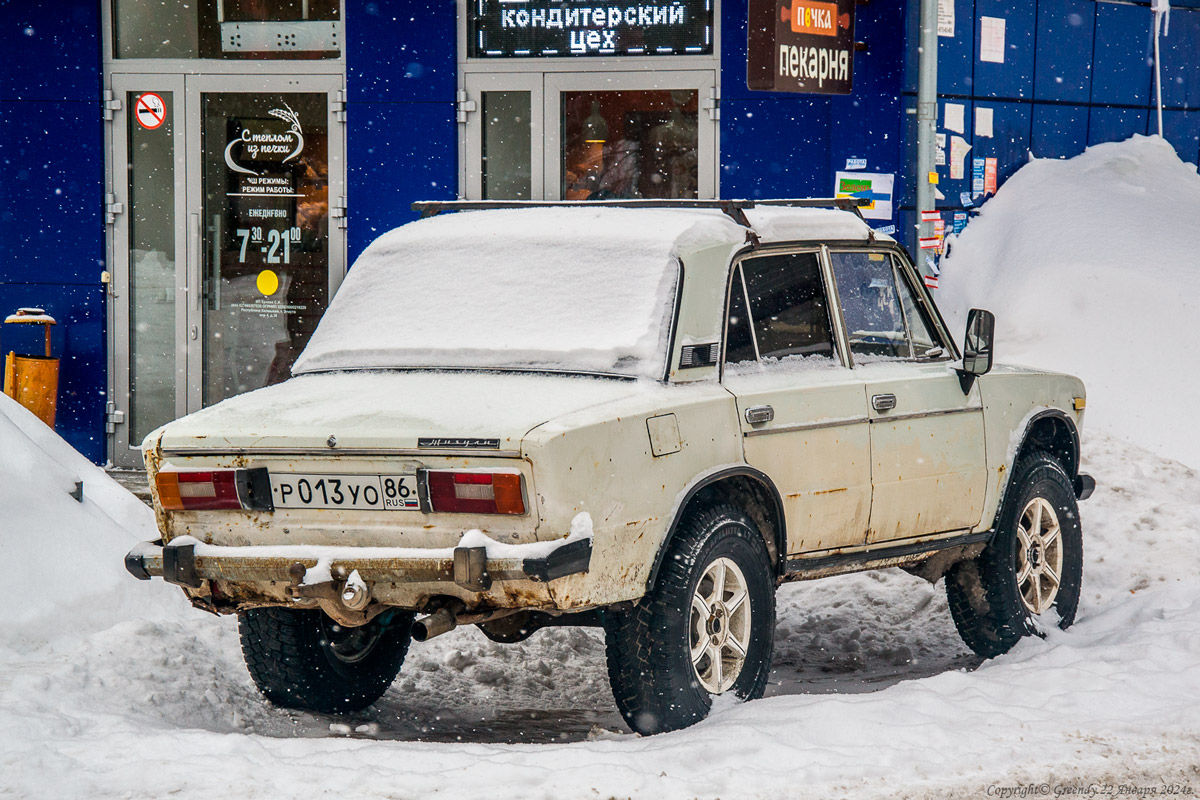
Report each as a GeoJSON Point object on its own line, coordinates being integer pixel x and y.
{"type": "Point", "coordinates": [977, 347]}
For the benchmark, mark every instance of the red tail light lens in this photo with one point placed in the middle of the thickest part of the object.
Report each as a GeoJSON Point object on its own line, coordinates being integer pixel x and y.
{"type": "Point", "coordinates": [475, 492]}
{"type": "Point", "coordinates": [214, 490]}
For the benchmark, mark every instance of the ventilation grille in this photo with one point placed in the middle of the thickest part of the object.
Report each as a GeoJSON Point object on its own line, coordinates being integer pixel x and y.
{"type": "Point", "coordinates": [699, 355]}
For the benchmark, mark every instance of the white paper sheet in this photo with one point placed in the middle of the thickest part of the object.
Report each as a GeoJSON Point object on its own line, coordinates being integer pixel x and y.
{"type": "Point", "coordinates": [958, 154]}
{"type": "Point", "coordinates": [953, 117]}
{"type": "Point", "coordinates": [991, 39]}
{"type": "Point", "coordinates": [983, 121]}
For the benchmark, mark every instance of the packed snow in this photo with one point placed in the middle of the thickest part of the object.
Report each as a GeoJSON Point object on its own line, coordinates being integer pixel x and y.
{"type": "Point", "coordinates": [1092, 267]}
{"type": "Point", "coordinates": [114, 688]}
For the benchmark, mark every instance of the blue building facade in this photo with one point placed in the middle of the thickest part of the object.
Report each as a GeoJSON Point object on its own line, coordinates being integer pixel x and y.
{"type": "Point", "coordinates": [1074, 73]}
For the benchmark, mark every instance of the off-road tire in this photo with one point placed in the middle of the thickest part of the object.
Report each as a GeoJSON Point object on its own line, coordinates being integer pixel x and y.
{"type": "Point", "coordinates": [291, 656]}
{"type": "Point", "coordinates": [985, 599]}
{"type": "Point", "coordinates": [650, 668]}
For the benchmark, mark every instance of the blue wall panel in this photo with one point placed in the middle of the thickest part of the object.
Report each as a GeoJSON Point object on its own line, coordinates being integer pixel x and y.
{"type": "Point", "coordinates": [397, 153]}
{"type": "Point", "coordinates": [775, 148]}
{"type": "Point", "coordinates": [1014, 77]}
{"type": "Point", "coordinates": [51, 50]}
{"type": "Point", "coordinates": [946, 185]}
{"type": "Point", "coordinates": [1059, 131]}
{"type": "Point", "coordinates": [1063, 69]}
{"type": "Point", "coordinates": [1116, 124]}
{"type": "Point", "coordinates": [1182, 130]}
{"type": "Point", "coordinates": [401, 51]}
{"type": "Point", "coordinates": [733, 53]}
{"type": "Point", "coordinates": [1009, 143]}
{"type": "Point", "coordinates": [1122, 54]}
{"type": "Point", "coordinates": [956, 55]}
{"type": "Point", "coordinates": [1180, 65]}
{"type": "Point", "coordinates": [52, 171]}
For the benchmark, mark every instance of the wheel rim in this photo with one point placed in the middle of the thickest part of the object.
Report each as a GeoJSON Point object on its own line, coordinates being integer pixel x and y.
{"type": "Point", "coordinates": [720, 625]}
{"type": "Point", "coordinates": [1039, 555]}
{"type": "Point", "coordinates": [350, 645]}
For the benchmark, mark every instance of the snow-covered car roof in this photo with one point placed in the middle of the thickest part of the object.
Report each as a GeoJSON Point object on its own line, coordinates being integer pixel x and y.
{"type": "Point", "coordinates": [580, 289]}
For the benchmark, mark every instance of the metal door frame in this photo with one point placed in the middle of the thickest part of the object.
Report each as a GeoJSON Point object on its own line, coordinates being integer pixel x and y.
{"type": "Point", "coordinates": [187, 91]}
{"type": "Point", "coordinates": [122, 450]}
{"type": "Point", "coordinates": [471, 151]}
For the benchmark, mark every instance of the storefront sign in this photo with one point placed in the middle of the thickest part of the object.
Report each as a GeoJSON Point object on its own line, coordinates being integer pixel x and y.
{"type": "Point", "coordinates": [801, 46]}
{"type": "Point", "coordinates": [553, 28]}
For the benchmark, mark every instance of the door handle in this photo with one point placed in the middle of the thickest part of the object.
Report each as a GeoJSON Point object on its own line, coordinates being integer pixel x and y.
{"type": "Point", "coordinates": [194, 269]}
{"type": "Point", "coordinates": [756, 415]}
{"type": "Point", "coordinates": [883, 402]}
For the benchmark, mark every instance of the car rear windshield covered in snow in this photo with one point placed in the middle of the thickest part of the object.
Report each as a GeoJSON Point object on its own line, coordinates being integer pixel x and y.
{"type": "Point", "coordinates": [572, 289]}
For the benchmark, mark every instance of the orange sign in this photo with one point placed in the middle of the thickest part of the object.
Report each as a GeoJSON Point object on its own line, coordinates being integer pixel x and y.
{"type": "Point", "coordinates": [815, 18]}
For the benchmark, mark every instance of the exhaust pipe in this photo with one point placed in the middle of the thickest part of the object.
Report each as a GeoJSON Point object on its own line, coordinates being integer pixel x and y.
{"type": "Point", "coordinates": [441, 621]}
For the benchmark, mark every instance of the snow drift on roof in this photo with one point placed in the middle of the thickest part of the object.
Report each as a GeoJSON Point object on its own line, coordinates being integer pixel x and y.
{"type": "Point", "coordinates": [1091, 267]}
{"type": "Point", "coordinates": [551, 288]}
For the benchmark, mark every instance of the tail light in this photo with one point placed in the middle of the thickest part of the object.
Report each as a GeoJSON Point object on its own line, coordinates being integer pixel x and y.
{"type": "Point", "coordinates": [213, 490]}
{"type": "Point", "coordinates": [475, 492]}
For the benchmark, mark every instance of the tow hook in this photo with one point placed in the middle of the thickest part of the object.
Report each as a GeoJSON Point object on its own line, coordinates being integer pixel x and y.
{"type": "Point", "coordinates": [349, 591]}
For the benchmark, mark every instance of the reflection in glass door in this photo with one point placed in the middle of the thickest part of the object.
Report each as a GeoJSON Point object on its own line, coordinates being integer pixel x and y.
{"type": "Point", "coordinates": [265, 239]}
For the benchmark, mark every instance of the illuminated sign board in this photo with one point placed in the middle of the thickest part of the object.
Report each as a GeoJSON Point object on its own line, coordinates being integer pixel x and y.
{"type": "Point", "coordinates": [801, 46]}
{"type": "Point", "coordinates": [568, 28]}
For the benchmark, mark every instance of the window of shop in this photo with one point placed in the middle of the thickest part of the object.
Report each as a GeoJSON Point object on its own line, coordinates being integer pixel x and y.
{"type": "Point", "coordinates": [621, 105]}
{"type": "Point", "coordinates": [227, 29]}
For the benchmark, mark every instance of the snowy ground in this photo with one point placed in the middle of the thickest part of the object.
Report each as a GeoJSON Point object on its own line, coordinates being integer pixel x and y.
{"type": "Point", "coordinates": [119, 689]}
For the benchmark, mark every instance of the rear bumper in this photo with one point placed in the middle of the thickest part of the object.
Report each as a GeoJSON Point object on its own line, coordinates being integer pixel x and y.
{"type": "Point", "coordinates": [188, 562]}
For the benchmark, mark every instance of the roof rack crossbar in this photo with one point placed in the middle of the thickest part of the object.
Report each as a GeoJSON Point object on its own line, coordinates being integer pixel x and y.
{"type": "Point", "coordinates": [735, 209]}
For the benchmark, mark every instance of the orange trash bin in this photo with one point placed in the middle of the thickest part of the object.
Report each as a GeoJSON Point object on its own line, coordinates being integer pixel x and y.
{"type": "Point", "coordinates": [33, 380]}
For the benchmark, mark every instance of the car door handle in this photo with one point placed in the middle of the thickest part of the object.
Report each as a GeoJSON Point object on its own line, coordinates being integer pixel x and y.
{"type": "Point", "coordinates": [883, 402]}
{"type": "Point", "coordinates": [756, 415]}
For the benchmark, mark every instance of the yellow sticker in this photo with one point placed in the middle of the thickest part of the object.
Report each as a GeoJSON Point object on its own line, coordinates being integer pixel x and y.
{"type": "Point", "coordinates": [875, 256]}
{"type": "Point", "coordinates": [268, 282]}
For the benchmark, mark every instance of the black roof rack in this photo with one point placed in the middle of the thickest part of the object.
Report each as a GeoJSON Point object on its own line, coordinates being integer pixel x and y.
{"type": "Point", "coordinates": [735, 209]}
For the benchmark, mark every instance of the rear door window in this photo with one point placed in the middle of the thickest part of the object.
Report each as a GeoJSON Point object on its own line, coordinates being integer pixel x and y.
{"type": "Point", "coordinates": [786, 309]}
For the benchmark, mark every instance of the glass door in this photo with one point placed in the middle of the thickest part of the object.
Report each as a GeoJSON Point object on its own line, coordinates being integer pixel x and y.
{"type": "Point", "coordinates": [646, 135]}
{"type": "Point", "coordinates": [268, 176]}
{"type": "Point", "coordinates": [146, 213]}
{"type": "Point", "coordinates": [227, 238]}
{"type": "Point", "coordinates": [590, 135]}
{"type": "Point", "coordinates": [503, 137]}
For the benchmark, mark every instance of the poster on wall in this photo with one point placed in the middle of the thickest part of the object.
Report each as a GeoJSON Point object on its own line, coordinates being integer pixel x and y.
{"type": "Point", "coordinates": [873, 186]}
{"type": "Point", "coordinates": [800, 46]}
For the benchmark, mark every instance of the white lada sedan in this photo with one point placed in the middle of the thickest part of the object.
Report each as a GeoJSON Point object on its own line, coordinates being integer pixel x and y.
{"type": "Point", "coordinates": [644, 419]}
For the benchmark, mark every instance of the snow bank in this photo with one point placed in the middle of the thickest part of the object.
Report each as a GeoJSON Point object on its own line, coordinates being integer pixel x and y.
{"type": "Point", "coordinates": [1091, 266]}
{"type": "Point", "coordinates": [556, 288]}
{"type": "Point", "coordinates": [61, 560]}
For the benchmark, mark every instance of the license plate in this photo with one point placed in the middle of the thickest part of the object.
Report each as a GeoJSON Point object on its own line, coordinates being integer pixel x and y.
{"type": "Point", "coordinates": [368, 492]}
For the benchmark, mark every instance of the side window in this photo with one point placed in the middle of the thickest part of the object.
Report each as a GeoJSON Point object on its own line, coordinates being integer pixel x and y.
{"type": "Point", "coordinates": [919, 325]}
{"type": "Point", "coordinates": [867, 291]}
{"type": "Point", "coordinates": [739, 342]}
{"type": "Point", "coordinates": [788, 311]}
{"type": "Point", "coordinates": [882, 315]}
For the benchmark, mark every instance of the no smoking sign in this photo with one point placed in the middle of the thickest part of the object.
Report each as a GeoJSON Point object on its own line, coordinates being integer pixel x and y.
{"type": "Point", "coordinates": [150, 111]}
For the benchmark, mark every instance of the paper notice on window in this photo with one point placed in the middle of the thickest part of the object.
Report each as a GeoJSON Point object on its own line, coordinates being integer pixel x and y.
{"type": "Point", "coordinates": [940, 157]}
{"type": "Point", "coordinates": [952, 117]}
{"type": "Point", "coordinates": [983, 121]}
{"type": "Point", "coordinates": [945, 23]}
{"type": "Point", "coordinates": [958, 155]}
{"type": "Point", "coordinates": [991, 39]}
